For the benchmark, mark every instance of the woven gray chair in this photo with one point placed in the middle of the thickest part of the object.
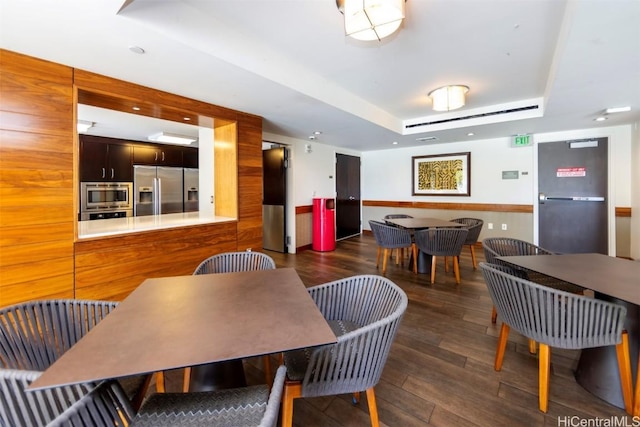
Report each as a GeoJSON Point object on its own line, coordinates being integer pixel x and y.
{"type": "Point", "coordinates": [364, 312]}
{"type": "Point", "coordinates": [494, 247]}
{"type": "Point", "coordinates": [389, 238]}
{"type": "Point", "coordinates": [242, 407]}
{"type": "Point", "coordinates": [35, 334]}
{"type": "Point", "coordinates": [102, 405]}
{"type": "Point", "coordinates": [106, 405]}
{"type": "Point", "coordinates": [442, 242]}
{"type": "Point", "coordinates": [230, 262]}
{"type": "Point", "coordinates": [227, 262]}
{"type": "Point", "coordinates": [474, 225]}
{"type": "Point", "coordinates": [560, 319]}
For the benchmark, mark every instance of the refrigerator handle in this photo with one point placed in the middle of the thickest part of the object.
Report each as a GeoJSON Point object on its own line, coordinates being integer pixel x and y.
{"type": "Point", "coordinates": [159, 198]}
{"type": "Point", "coordinates": [155, 196]}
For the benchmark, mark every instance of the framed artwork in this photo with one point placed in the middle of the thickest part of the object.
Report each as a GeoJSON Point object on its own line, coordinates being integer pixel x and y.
{"type": "Point", "coordinates": [441, 175]}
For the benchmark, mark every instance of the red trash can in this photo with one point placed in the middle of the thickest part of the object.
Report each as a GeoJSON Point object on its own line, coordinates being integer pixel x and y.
{"type": "Point", "coordinates": [324, 229]}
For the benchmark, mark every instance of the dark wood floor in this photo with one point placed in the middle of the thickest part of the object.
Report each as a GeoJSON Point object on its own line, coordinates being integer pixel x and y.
{"type": "Point", "coordinates": [440, 369]}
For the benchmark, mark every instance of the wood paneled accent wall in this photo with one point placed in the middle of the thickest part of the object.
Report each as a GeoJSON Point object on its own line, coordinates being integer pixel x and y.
{"type": "Point", "coordinates": [36, 179]}
{"type": "Point", "coordinates": [39, 255]}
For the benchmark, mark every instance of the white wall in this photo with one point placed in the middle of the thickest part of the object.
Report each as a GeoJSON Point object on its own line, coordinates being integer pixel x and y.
{"type": "Point", "coordinates": [206, 175]}
{"type": "Point", "coordinates": [311, 174]}
{"type": "Point", "coordinates": [635, 192]}
{"type": "Point", "coordinates": [386, 174]}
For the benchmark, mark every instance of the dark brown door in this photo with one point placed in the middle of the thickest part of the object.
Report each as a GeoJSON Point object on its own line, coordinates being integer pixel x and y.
{"type": "Point", "coordinates": [572, 183]}
{"type": "Point", "coordinates": [120, 166]}
{"type": "Point", "coordinates": [347, 196]}
{"type": "Point", "coordinates": [274, 197]}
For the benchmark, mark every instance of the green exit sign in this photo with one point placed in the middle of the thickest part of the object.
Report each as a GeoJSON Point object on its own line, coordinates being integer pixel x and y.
{"type": "Point", "coordinates": [521, 141]}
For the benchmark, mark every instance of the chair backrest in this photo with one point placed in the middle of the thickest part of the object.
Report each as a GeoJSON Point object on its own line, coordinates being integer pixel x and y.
{"type": "Point", "coordinates": [551, 316]}
{"type": "Point", "coordinates": [390, 237]}
{"type": "Point", "coordinates": [35, 334]}
{"type": "Point", "coordinates": [356, 361]}
{"type": "Point", "coordinates": [506, 246]}
{"type": "Point", "coordinates": [441, 241]}
{"type": "Point", "coordinates": [474, 225]}
{"type": "Point", "coordinates": [231, 262]}
{"type": "Point", "coordinates": [394, 216]}
{"type": "Point", "coordinates": [104, 405]}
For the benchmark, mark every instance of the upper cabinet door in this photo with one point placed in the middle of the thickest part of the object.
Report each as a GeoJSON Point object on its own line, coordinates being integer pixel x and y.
{"type": "Point", "coordinates": [190, 157]}
{"type": "Point", "coordinates": [103, 161]}
{"type": "Point", "coordinates": [120, 165]}
{"type": "Point", "coordinates": [157, 155]}
{"type": "Point", "coordinates": [93, 160]}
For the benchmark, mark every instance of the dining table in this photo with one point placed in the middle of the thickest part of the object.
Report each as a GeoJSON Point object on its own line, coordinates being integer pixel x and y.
{"type": "Point", "coordinates": [612, 279]}
{"type": "Point", "coordinates": [414, 224]}
{"type": "Point", "coordinates": [184, 321]}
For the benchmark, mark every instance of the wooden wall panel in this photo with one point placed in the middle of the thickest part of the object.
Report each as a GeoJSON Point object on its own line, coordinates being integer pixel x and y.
{"type": "Point", "coordinates": [36, 179]}
{"type": "Point", "coordinates": [249, 182]}
{"type": "Point", "coordinates": [38, 255]}
{"type": "Point", "coordinates": [226, 170]}
{"type": "Point", "coordinates": [40, 288]}
{"type": "Point", "coordinates": [111, 268]}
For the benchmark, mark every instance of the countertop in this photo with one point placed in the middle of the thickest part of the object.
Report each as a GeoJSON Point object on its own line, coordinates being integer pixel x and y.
{"type": "Point", "coordinates": [116, 226]}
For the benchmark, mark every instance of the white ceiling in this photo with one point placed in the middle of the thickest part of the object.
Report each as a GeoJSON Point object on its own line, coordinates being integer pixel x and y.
{"type": "Point", "coordinates": [289, 61]}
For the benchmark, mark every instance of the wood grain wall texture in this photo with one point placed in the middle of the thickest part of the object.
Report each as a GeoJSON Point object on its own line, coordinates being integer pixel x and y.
{"type": "Point", "coordinates": [111, 268]}
{"type": "Point", "coordinates": [36, 179]}
{"type": "Point", "coordinates": [39, 257]}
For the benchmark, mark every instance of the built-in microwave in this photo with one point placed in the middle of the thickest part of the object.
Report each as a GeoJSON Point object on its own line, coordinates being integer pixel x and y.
{"type": "Point", "coordinates": [105, 197]}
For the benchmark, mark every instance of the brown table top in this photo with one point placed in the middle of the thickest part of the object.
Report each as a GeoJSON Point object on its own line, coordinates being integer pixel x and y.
{"type": "Point", "coordinates": [616, 277]}
{"type": "Point", "coordinates": [418, 223]}
{"type": "Point", "coordinates": [181, 321]}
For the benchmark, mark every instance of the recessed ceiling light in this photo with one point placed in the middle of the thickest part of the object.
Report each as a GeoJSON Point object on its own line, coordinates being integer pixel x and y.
{"type": "Point", "coordinates": [617, 110]}
{"type": "Point", "coordinates": [395, 142]}
{"type": "Point", "coordinates": [317, 132]}
{"type": "Point", "coordinates": [136, 108]}
{"type": "Point", "coordinates": [186, 119]}
{"type": "Point", "coordinates": [312, 137]}
{"type": "Point", "coordinates": [600, 119]}
{"type": "Point", "coordinates": [470, 134]}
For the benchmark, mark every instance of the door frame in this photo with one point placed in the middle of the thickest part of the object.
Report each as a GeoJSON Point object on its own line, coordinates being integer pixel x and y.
{"type": "Point", "coordinates": [611, 209]}
{"type": "Point", "coordinates": [289, 204]}
{"type": "Point", "coordinates": [335, 174]}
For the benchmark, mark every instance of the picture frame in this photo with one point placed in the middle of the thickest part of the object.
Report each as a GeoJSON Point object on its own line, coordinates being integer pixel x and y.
{"type": "Point", "coordinates": [441, 174]}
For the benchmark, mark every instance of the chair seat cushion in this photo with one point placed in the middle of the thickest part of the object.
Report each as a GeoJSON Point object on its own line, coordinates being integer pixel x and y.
{"type": "Point", "coordinates": [242, 406]}
{"type": "Point", "coordinates": [296, 361]}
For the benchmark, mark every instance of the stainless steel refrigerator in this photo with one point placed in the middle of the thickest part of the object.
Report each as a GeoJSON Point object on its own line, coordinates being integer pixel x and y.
{"type": "Point", "coordinates": [157, 190]}
{"type": "Point", "coordinates": [190, 193]}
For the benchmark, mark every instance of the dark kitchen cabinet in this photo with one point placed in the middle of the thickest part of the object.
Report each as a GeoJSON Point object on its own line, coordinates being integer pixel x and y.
{"type": "Point", "coordinates": [157, 155]}
{"type": "Point", "coordinates": [190, 157]}
{"type": "Point", "coordinates": [105, 159]}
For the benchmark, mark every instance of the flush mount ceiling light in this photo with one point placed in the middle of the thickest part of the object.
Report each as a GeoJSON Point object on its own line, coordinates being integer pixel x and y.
{"type": "Point", "coordinates": [448, 98]}
{"type": "Point", "coordinates": [171, 138]}
{"type": "Point", "coordinates": [617, 110]}
{"type": "Point", "coordinates": [84, 126]}
{"type": "Point", "coordinates": [371, 19]}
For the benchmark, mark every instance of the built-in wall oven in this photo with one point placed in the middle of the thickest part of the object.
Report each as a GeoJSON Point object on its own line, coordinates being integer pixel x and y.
{"type": "Point", "coordinates": [103, 200]}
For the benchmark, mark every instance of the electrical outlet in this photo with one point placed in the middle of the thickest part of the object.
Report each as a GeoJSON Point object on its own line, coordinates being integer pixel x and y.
{"type": "Point", "coordinates": [490, 226]}
{"type": "Point", "coordinates": [504, 226]}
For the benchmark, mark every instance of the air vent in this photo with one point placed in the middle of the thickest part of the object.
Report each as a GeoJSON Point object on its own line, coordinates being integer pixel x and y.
{"type": "Point", "coordinates": [480, 116]}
